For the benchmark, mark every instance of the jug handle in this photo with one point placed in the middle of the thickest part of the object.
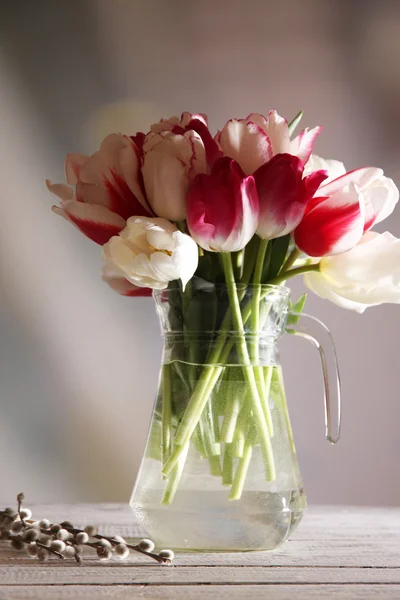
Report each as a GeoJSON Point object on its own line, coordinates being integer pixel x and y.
{"type": "Point", "coordinates": [319, 335]}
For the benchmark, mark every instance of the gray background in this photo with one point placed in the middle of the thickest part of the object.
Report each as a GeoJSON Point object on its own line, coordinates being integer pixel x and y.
{"type": "Point", "coordinates": [79, 364]}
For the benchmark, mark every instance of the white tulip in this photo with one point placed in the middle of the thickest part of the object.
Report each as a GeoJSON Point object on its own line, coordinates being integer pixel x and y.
{"type": "Point", "coordinates": [366, 275]}
{"type": "Point", "coordinates": [151, 252]}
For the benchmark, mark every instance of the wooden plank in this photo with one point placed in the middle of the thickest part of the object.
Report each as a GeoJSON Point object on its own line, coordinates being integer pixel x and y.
{"type": "Point", "coordinates": [211, 592]}
{"type": "Point", "coordinates": [335, 553]}
{"type": "Point", "coordinates": [118, 574]}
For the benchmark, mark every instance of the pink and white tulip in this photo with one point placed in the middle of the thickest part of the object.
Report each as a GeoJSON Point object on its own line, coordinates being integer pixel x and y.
{"type": "Point", "coordinates": [223, 208]}
{"type": "Point", "coordinates": [343, 210]}
{"type": "Point", "coordinates": [366, 275]}
{"type": "Point", "coordinates": [192, 122]}
{"type": "Point", "coordinates": [149, 253]}
{"type": "Point", "coordinates": [171, 160]}
{"type": "Point", "coordinates": [108, 189]}
{"type": "Point", "coordinates": [255, 140]}
{"type": "Point", "coordinates": [284, 194]}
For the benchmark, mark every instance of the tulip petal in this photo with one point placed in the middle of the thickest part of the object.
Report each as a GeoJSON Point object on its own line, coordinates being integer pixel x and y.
{"type": "Point", "coordinates": [223, 208]}
{"type": "Point", "coordinates": [283, 194]}
{"type": "Point", "coordinates": [115, 168]}
{"type": "Point", "coordinates": [380, 200]}
{"type": "Point", "coordinates": [212, 152]}
{"type": "Point", "coordinates": [180, 264]}
{"type": "Point", "coordinates": [166, 181]}
{"type": "Point", "coordinates": [198, 162]}
{"type": "Point", "coordinates": [320, 286]}
{"type": "Point", "coordinates": [333, 225]}
{"type": "Point", "coordinates": [246, 143]}
{"type": "Point", "coordinates": [313, 181]}
{"type": "Point", "coordinates": [335, 168]}
{"type": "Point", "coordinates": [302, 145]}
{"type": "Point", "coordinates": [73, 164]}
{"type": "Point", "coordinates": [360, 177]}
{"type": "Point", "coordinates": [121, 285]}
{"type": "Point", "coordinates": [366, 275]}
{"type": "Point", "coordinates": [187, 117]}
{"type": "Point", "coordinates": [96, 222]}
{"type": "Point", "coordinates": [276, 127]}
{"type": "Point", "coordinates": [138, 140]}
{"type": "Point", "coordinates": [64, 192]}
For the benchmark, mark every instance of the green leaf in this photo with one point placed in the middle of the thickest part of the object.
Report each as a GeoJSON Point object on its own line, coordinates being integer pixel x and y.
{"type": "Point", "coordinates": [297, 307]}
{"type": "Point", "coordinates": [278, 254]}
{"type": "Point", "coordinates": [293, 124]}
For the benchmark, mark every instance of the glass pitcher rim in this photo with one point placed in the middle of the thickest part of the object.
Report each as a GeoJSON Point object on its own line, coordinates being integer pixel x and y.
{"type": "Point", "coordinates": [283, 290]}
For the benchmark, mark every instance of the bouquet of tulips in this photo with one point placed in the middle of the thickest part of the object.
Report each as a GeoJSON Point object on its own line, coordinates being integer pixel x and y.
{"type": "Point", "coordinates": [249, 206]}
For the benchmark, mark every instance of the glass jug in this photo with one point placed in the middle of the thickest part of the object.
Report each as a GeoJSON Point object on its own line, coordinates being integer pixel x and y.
{"type": "Point", "coordinates": [220, 471]}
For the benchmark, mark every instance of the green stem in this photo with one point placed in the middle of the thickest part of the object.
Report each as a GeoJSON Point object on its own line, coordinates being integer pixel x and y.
{"type": "Point", "coordinates": [215, 466]}
{"type": "Point", "coordinates": [175, 476]}
{"type": "Point", "coordinates": [212, 447]}
{"type": "Point", "coordinates": [255, 330]}
{"type": "Point", "coordinates": [258, 413]}
{"type": "Point", "coordinates": [292, 273]}
{"type": "Point", "coordinates": [256, 298]}
{"type": "Point", "coordinates": [232, 410]}
{"type": "Point", "coordinates": [198, 438]}
{"type": "Point", "coordinates": [242, 429]}
{"type": "Point", "coordinates": [166, 413]}
{"type": "Point", "coordinates": [243, 467]}
{"type": "Point", "coordinates": [293, 256]}
{"type": "Point", "coordinates": [227, 466]}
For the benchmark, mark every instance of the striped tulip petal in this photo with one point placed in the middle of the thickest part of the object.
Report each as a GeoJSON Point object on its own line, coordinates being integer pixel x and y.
{"type": "Point", "coordinates": [283, 194]}
{"type": "Point", "coordinates": [223, 208]}
{"type": "Point", "coordinates": [332, 225]}
{"type": "Point", "coordinates": [96, 222]}
{"type": "Point", "coordinates": [246, 143]}
{"type": "Point", "coordinates": [302, 145]}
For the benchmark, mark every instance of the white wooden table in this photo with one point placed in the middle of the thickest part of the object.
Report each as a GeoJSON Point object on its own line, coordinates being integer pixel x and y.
{"type": "Point", "coordinates": [336, 553]}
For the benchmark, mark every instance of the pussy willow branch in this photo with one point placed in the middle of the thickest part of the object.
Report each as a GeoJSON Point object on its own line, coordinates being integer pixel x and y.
{"type": "Point", "coordinates": [42, 538]}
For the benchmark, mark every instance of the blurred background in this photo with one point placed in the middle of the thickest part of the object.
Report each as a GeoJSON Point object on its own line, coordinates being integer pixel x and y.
{"type": "Point", "coordinates": [78, 363]}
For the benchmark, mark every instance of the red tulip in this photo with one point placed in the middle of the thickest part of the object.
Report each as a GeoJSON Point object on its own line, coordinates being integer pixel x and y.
{"type": "Point", "coordinates": [284, 194]}
{"type": "Point", "coordinates": [223, 208]}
